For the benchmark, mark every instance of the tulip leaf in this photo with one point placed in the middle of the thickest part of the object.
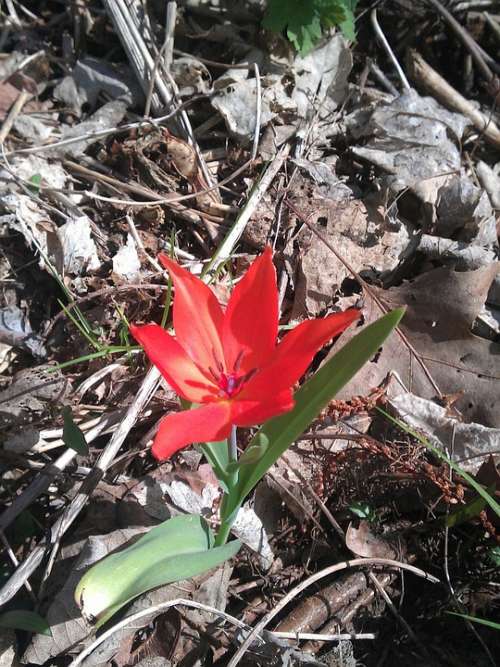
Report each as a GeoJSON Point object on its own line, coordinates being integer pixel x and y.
{"type": "Point", "coordinates": [217, 454]}
{"type": "Point", "coordinates": [276, 435]}
{"type": "Point", "coordinates": [20, 619]}
{"type": "Point", "coordinates": [174, 550]}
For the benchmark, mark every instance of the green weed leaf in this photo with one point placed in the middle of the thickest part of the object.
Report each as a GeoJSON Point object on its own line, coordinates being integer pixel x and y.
{"type": "Point", "coordinates": [363, 511]}
{"type": "Point", "coordinates": [73, 435]}
{"type": "Point", "coordinates": [304, 21]}
{"type": "Point", "coordinates": [35, 184]}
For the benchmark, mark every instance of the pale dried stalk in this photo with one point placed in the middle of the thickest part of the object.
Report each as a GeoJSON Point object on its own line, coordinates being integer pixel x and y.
{"type": "Point", "coordinates": [260, 188]}
{"type": "Point", "coordinates": [14, 112]}
{"type": "Point", "coordinates": [388, 49]}
{"type": "Point", "coordinates": [129, 21]}
{"type": "Point", "coordinates": [180, 602]}
{"type": "Point", "coordinates": [425, 75]}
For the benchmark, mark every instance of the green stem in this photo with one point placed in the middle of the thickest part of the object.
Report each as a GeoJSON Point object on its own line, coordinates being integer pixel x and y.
{"type": "Point", "coordinates": [223, 533]}
{"type": "Point", "coordinates": [226, 521]}
{"type": "Point", "coordinates": [233, 445]}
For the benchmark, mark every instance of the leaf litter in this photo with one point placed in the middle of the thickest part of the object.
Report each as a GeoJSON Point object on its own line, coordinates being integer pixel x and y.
{"type": "Point", "coordinates": [402, 187]}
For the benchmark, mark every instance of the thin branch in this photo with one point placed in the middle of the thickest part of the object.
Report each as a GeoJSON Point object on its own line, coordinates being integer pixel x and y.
{"type": "Point", "coordinates": [465, 38]}
{"type": "Point", "coordinates": [258, 112]}
{"type": "Point", "coordinates": [149, 611]}
{"type": "Point", "coordinates": [388, 49]}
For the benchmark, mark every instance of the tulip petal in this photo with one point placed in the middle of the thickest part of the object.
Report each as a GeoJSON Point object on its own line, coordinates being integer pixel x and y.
{"type": "Point", "coordinates": [295, 353]}
{"type": "Point", "coordinates": [198, 317]}
{"type": "Point", "coordinates": [251, 320]}
{"type": "Point", "coordinates": [173, 363]}
{"type": "Point", "coordinates": [251, 412]}
{"type": "Point", "coordinates": [209, 423]}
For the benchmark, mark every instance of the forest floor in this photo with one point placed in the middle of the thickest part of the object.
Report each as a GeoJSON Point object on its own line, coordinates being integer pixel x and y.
{"type": "Point", "coordinates": [373, 172]}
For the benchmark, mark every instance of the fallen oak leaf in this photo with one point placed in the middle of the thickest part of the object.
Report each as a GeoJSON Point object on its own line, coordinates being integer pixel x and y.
{"type": "Point", "coordinates": [442, 305]}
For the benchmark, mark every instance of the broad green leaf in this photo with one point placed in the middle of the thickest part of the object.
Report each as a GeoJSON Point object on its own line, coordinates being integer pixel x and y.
{"type": "Point", "coordinates": [441, 455]}
{"type": "Point", "coordinates": [176, 549]}
{"type": "Point", "coordinates": [72, 434]}
{"type": "Point", "coordinates": [303, 21]}
{"type": "Point", "coordinates": [30, 621]}
{"type": "Point", "coordinates": [279, 433]}
{"type": "Point", "coordinates": [474, 619]}
{"type": "Point", "coordinates": [347, 24]}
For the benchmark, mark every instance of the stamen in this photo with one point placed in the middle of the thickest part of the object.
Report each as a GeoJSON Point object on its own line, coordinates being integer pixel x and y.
{"type": "Point", "coordinates": [216, 376]}
{"type": "Point", "coordinates": [238, 361]}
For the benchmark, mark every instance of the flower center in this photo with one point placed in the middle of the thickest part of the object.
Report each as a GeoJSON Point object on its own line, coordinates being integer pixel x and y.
{"type": "Point", "coordinates": [231, 384]}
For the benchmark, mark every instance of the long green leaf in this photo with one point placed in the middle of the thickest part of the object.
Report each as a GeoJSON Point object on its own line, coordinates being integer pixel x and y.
{"type": "Point", "coordinates": [30, 621]}
{"type": "Point", "coordinates": [474, 619]}
{"type": "Point", "coordinates": [274, 438]}
{"type": "Point", "coordinates": [176, 549]}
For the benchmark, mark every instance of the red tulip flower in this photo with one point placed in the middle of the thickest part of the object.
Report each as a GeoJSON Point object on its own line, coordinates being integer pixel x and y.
{"type": "Point", "coordinates": [229, 361]}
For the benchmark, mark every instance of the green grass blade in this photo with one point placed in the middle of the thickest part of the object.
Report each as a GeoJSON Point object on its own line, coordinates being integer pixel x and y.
{"type": "Point", "coordinates": [93, 355]}
{"type": "Point", "coordinates": [474, 619]}
{"type": "Point", "coordinates": [441, 455]}
{"type": "Point", "coordinates": [87, 335]}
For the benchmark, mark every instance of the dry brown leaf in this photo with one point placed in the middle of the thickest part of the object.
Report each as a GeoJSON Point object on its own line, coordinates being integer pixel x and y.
{"type": "Point", "coordinates": [364, 543]}
{"type": "Point", "coordinates": [441, 307]}
{"type": "Point", "coordinates": [8, 95]}
{"type": "Point", "coordinates": [368, 241]}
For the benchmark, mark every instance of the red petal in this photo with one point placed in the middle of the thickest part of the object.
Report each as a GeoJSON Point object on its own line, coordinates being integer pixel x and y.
{"type": "Point", "coordinates": [251, 319]}
{"type": "Point", "coordinates": [248, 413]}
{"type": "Point", "coordinates": [180, 429]}
{"type": "Point", "coordinates": [295, 353]}
{"type": "Point", "coordinates": [198, 317]}
{"type": "Point", "coordinates": [173, 363]}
